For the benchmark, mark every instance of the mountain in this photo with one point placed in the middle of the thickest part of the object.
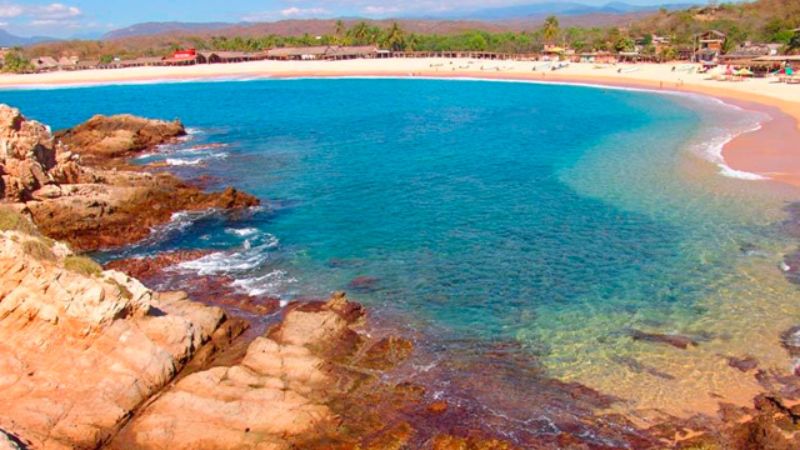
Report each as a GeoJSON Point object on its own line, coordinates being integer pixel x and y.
{"type": "Point", "coordinates": [10, 40]}
{"type": "Point", "coordinates": [151, 28]}
{"type": "Point", "coordinates": [561, 9]}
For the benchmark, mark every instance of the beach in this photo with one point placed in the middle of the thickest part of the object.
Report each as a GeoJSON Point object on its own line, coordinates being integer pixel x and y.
{"type": "Point", "coordinates": [768, 152]}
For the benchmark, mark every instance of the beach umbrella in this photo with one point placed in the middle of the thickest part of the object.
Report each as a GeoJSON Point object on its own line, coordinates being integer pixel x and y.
{"type": "Point", "coordinates": [744, 73]}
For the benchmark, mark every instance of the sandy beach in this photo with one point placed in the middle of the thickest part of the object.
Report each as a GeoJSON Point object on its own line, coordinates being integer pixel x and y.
{"type": "Point", "coordinates": [769, 152]}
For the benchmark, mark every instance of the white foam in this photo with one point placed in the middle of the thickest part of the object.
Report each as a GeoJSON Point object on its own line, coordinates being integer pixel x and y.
{"type": "Point", "coordinates": [242, 231]}
{"type": "Point", "coordinates": [270, 283]}
{"type": "Point", "coordinates": [184, 162]}
{"type": "Point", "coordinates": [252, 255]}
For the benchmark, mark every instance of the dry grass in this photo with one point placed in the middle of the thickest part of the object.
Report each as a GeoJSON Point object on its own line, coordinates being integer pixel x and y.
{"type": "Point", "coordinates": [11, 220]}
{"type": "Point", "coordinates": [82, 265]}
{"type": "Point", "coordinates": [38, 249]}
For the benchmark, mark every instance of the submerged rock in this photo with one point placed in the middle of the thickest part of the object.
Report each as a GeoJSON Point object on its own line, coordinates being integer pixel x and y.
{"type": "Point", "coordinates": [364, 283]}
{"type": "Point", "coordinates": [675, 340]}
{"type": "Point", "coordinates": [744, 364]}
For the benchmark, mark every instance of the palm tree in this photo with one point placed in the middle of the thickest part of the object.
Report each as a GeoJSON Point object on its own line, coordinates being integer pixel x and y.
{"type": "Point", "coordinates": [339, 32]}
{"type": "Point", "coordinates": [395, 38]}
{"type": "Point", "coordinates": [551, 29]}
{"type": "Point", "coordinates": [360, 32]}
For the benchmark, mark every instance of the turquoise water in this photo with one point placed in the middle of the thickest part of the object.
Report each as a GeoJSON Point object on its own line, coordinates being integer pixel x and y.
{"type": "Point", "coordinates": [553, 216]}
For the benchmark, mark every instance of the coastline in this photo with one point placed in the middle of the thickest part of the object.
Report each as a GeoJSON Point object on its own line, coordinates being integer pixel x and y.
{"type": "Point", "coordinates": [767, 151]}
{"type": "Point", "coordinates": [435, 409]}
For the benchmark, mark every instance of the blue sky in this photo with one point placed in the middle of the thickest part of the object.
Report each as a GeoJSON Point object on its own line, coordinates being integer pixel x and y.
{"type": "Point", "coordinates": [84, 17]}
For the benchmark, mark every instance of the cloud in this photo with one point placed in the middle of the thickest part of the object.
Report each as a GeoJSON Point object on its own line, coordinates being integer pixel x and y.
{"type": "Point", "coordinates": [9, 10]}
{"type": "Point", "coordinates": [303, 12]}
{"type": "Point", "coordinates": [380, 10]}
{"type": "Point", "coordinates": [54, 11]}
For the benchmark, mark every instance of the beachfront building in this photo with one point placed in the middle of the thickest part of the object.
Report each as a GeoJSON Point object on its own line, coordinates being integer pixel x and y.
{"type": "Point", "coordinates": [230, 57]}
{"type": "Point", "coordinates": [298, 53]}
{"type": "Point", "coordinates": [184, 57]}
{"type": "Point", "coordinates": [44, 64]}
{"type": "Point", "coordinates": [365, 51]}
{"type": "Point", "coordinates": [595, 58]}
{"type": "Point", "coordinates": [745, 54]}
{"type": "Point", "coordinates": [708, 47]}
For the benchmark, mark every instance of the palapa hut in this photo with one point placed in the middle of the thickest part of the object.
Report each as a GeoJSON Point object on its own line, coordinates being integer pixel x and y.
{"type": "Point", "coordinates": [298, 53]}
{"type": "Point", "coordinates": [44, 63]}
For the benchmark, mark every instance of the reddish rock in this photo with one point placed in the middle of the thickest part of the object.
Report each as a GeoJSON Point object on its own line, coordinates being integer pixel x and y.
{"type": "Point", "coordinates": [148, 268]}
{"type": "Point", "coordinates": [438, 407]}
{"type": "Point", "coordinates": [105, 138]}
{"type": "Point", "coordinates": [363, 283]}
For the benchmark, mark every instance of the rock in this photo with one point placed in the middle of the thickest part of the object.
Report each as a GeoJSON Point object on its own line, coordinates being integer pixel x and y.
{"type": "Point", "coordinates": [744, 364]}
{"type": "Point", "coordinates": [437, 407]}
{"type": "Point", "coordinates": [675, 340]}
{"type": "Point", "coordinates": [276, 394]}
{"type": "Point", "coordinates": [364, 284]}
{"type": "Point", "coordinates": [104, 138]}
{"type": "Point", "coordinates": [76, 190]}
{"type": "Point", "coordinates": [144, 268]}
{"type": "Point", "coordinates": [790, 340]}
{"type": "Point", "coordinates": [7, 442]}
{"type": "Point", "coordinates": [81, 348]}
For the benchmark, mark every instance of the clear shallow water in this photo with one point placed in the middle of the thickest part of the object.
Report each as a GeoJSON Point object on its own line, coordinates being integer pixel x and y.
{"type": "Point", "coordinates": [557, 217]}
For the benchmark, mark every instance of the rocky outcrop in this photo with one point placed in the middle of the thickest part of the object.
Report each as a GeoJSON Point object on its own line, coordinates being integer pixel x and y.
{"type": "Point", "coordinates": [277, 393]}
{"type": "Point", "coordinates": [73, 186]}
{"type": "Point", "coordinates": [104, 139]}
{"type": "Point", "coordinates": [81, 348]}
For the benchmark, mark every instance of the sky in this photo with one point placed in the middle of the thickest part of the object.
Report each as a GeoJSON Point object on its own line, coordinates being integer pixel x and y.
{"type": "Point", "coordinates": [93, 17]}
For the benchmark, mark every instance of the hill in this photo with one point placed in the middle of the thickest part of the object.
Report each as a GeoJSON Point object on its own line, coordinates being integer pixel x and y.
{"type": "Point", "coordinates": [10, 40]}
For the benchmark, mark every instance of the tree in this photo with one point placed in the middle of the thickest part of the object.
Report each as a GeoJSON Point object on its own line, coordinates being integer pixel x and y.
{"type": "Point", "coordinates": [624, 44]}
{"type": "Point", "coordinates": [395, 38]}
{"type": "Point", "coordinates": [16, 63]}
{"type": "Point", "coordinates": [794, 43]}
{"type": "Point", "coordinates": [550, 30]}
{"type": "Point", "coordinates": [339, 32]}
{"type": "Point", "coordinates": [360, 32]}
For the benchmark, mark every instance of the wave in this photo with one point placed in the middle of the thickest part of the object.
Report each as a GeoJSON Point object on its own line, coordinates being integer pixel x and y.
{"type": "Point", "coordinates": [252, 255]}
{"type": "Point", "coordinates": [271, 283]}
{"type": "Point", "coordinates": [195, 161]}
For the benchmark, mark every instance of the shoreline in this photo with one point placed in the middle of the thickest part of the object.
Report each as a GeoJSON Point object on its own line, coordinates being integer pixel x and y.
{"type": "Point", "coordinates": [767, 151]}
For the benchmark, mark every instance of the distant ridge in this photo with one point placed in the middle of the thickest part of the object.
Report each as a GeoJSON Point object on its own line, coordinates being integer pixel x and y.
{"type": "Point", "coordinates": [11, 40]}
{"type": "Point", "coordinates": [499, 19]}
{"type": "Point", "coordinates": [151, 28]}
{"type": "Point", "coordinates": [566, 9]}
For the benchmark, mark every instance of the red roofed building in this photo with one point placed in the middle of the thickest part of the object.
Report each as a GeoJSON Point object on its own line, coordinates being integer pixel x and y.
{"type": "Point", "coordinates": [188, 53]}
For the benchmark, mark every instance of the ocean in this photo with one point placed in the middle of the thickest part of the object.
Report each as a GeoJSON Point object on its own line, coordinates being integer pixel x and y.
{"type": "Point", "coordinates": [558, 219]}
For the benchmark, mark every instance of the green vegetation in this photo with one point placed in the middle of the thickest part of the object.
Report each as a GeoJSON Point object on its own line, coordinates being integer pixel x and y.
{"type": "Point", "coordinates": [15, 62]}
{"type": "Point", "coordinates": [82, 265]}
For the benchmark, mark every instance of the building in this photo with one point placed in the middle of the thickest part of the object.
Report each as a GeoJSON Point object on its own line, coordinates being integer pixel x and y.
{"type": "Point", "coordinates": [44, 64]}
{"type": "Point", "coordinates": [709, 46]}
{"type": "Point", "coordinates": [298, 53]}
{"type": "Point", "coordinates": [744, 54]}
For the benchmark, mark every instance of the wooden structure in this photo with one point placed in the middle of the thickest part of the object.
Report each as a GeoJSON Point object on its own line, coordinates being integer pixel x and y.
{"type": "Point", "coordinates": [708, 47]}
{"type": "Point", "coordinates": [44, 64]}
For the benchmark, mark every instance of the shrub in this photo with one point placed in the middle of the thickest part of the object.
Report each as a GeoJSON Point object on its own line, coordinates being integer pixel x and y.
{"type": "Point", "coordinates": [82, 265]}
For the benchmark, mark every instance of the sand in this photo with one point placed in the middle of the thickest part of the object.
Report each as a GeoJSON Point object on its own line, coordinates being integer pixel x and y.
{"type": "Point", "coordinates": [769, 152]}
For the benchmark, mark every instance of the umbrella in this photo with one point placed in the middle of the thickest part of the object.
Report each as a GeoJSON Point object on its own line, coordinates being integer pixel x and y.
{"type": "Point", "coordinates": [744, 73]}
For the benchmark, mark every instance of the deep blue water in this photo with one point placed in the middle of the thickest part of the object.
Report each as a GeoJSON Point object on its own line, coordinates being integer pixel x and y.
{"type": "Point", "coordinates": [466, 201]}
